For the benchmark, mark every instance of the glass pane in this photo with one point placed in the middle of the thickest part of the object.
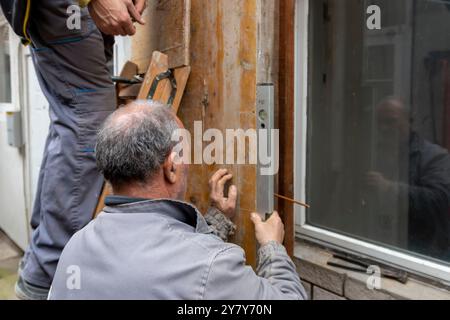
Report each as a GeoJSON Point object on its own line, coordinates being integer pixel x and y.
{"type": "Point", "coordinates": [378, 166]}
{"type": "Point", "coordinates": [5, 65]}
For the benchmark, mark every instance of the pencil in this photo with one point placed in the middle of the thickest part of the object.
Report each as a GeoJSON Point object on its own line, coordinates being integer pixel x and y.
{"type": "Point", "coordinates": [292, 200]}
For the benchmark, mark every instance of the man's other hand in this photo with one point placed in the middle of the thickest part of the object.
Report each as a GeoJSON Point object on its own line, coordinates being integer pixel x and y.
{"type": "Point", "coordinates": [115, 17]}
{"type": "Point", "coordinates": [271, 230]}
{"type": "Point", "coordinates": [140, 5]}
{"type": "Point", "coordinates": [227, 205]}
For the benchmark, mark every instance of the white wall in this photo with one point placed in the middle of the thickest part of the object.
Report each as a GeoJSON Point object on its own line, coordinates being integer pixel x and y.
{"type": "Point", "coordinates": [13, 207]}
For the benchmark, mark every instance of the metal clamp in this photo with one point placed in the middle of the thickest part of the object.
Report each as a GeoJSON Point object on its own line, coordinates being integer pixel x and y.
{"type": "Point", "coordinates": [173, 82]}
{"type": "Point", "coordinates": [134, 80]}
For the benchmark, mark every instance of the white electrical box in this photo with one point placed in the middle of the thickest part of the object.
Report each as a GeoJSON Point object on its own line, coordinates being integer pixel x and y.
{"type": "Point", "coordinates": [14, 129]}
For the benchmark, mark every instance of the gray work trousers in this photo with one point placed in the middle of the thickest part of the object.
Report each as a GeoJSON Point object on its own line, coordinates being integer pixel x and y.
{"type": "Point", "coordinates": [72, 68]}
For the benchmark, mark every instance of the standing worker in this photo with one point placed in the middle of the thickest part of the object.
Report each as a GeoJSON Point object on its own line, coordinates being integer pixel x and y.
{"type": "Point", "coordinates": [72, 65]}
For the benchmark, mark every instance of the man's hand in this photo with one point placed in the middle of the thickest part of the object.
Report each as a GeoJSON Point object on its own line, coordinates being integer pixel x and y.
{"type": "Point", "coordinates": [271, 230]}
{"type": "Point", "coordinates": [115, 17]}
{"type": "Point", "coordinates": [378, 181]}
{"type": "Point", "coordinates": [227, 205]}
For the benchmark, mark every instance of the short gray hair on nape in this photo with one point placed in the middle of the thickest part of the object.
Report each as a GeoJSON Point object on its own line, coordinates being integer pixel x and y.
{"type": "Point", "coordinates": [135, 141]}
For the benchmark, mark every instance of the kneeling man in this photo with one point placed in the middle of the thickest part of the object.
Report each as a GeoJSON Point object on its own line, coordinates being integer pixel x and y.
{"type": "Point", "coordinates": [150, 244]}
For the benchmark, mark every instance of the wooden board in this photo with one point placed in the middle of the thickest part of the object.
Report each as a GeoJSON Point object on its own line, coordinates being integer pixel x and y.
{"type": "Point", "coordinates": [160, 63]}
{"type": "Point", "coordinates": [167, 29]}
{"type": "Point", "coordinates": [129, 70]}
{"type": "Point", "coordinates": [285, 117]}
{"type": "Point", "coordinates": [130, 92]}
{"type": "Point", "coordinates": [221, 93]}
{"type": "Point", "coordinates": [106, 191]}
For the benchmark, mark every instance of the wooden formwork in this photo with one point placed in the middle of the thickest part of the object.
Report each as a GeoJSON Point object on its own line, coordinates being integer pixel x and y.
{"type": "Point", "coordinates": [231, 46]}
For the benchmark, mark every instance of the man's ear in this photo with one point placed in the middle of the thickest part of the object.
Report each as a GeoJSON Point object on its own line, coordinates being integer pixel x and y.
{"type": "Point", "coordinates": [170, 168]}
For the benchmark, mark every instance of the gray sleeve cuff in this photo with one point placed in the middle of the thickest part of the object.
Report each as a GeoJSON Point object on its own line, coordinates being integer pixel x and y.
{"type": "Point", "coordinates": [269, 255]}
{"type": "Point", "coordinates": [220, 224]}
{"type": "Point", "coordinates": [269, 249]}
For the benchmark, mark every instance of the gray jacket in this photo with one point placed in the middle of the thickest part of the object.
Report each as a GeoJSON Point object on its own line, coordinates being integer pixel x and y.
{"type": "Point", "coordinates": [164, 249]}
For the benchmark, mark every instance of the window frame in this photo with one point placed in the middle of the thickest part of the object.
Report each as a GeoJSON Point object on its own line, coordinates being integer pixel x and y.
{"type": "Point", "coordinates": [6, 106]}
{"type": "Point", "coordinates": [398, 259]}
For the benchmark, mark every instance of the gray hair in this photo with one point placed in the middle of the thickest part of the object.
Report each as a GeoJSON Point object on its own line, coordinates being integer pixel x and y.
{"type": "Point", "coordinates": [134, 142]}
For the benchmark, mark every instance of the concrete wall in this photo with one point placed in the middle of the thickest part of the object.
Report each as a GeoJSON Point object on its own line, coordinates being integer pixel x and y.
{"type": "Point", "coordinates": [324, 282]}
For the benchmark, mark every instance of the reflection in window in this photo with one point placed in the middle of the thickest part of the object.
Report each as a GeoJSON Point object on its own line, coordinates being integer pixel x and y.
{"type": "Point", "coordinates": [5, 65]}
{"type": "Point", "coordinates": [378, 164]}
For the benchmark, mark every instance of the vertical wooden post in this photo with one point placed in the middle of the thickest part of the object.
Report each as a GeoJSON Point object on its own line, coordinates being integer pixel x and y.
{"type": "Point", "coordinates": [286, 89]}
{"type": "Point", "coordinates": [221, 94]}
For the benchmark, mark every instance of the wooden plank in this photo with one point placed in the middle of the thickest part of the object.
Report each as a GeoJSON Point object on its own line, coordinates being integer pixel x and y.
{"type": "Point", "coordinates": [221, 94]}
{"type": "Point", "coordinates": [106, 191]}
{"type": "Point", "coordinates": [130, 92]}
{"type": "Point", "coordinates": [160, 63]}
{"type": "Point", "coordinates": [267, 68]}
{"type": "Point", "coordinates": [285, 117]}
{"type": "Point", "coordinates": [128, 71]}
{"type": "Point", "coordinates": [167, 29]}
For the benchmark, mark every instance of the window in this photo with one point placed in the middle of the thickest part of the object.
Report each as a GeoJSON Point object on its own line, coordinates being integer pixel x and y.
{"type": "Point", "coordinates": [373, 129]}
{"type": "Point", "coordinates": [5, 64]}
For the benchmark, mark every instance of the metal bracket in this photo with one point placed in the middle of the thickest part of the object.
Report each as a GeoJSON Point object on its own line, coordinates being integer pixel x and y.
{"type": "Point", "coordinates": [134, 80]}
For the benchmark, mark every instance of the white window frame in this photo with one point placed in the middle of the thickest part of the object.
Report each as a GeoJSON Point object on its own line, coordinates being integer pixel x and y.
{"type": "Point", "coordinates": [331, 239]}
{"type": "Point", "coordinates": [9, 106]}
